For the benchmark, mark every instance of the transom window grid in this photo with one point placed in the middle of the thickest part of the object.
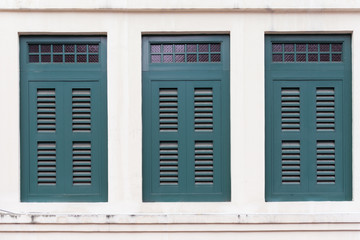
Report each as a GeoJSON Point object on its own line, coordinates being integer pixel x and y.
{"type": "Point", "coordinates": [185, 53]}
{"type": "Point", "coordinates": [63, 53]}
{"type": "Point", "coordinates": [306, 52]}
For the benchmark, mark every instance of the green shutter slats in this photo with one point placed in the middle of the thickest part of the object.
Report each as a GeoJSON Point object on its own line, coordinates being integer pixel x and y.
{"type": "Point", "coordinates": [203, 107]}
{"type": "Point", "coordinates": [81, 154]}
{"type": "Point", "coordinates": [325, 162]}
{"type": "Point", "coordinates": [46, 110]}
{"type": "Point", "coordinates": [169, 157]}
{"type": "Point", "coordinates": [325, 109]}
{"type": "Point", "coordinates": [46, 163]}
{"type": "Point", "coordinates": [290, 162]}
{"type": "Point", "coordinates": [81, 110]}
{"type": "Point", "coordinates": [168, 109]}
{"type": "Point", "coordinates": [204, 162]}
{"type": "Point", "coordinates": [290, 109]}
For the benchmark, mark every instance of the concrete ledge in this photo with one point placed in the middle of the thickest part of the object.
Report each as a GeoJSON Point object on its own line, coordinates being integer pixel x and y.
{"type": "Point", "coordinates": [234, 219]}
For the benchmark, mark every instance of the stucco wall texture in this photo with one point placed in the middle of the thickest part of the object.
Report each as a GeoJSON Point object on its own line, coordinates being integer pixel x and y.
{"type": "Point", "coordinates": [247, 215]}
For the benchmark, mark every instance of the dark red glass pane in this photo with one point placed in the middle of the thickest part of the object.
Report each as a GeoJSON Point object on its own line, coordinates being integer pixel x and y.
{"type": "Point", "coordinates": [324, 48]}
{"type": "Point", "coordinates": [191, 48]}
{"type": "Point", "coordinates": [215, 58]}
{"type": "Point", "coordinates": [336, 47]}
{"type": "Point", "coordinates": [70, 58]}
{"type": "Point", "coordinates": [80, 48]}
{"type": "Point", "coordinates": [81, 58]}
{"type": "Point", "coordinates": [93, 48]}
{"type": "Point", "coordinates": [313, 58]}
{"type": "Point", "coordinates": [179, 48]}
{"type": "Point", "coordinates": [203, 57]}
{"type": "Point", "coordinates": [289, 58]}
{"type": "Point", "coordinates": [155, 48]}
{"type": "Point", "coordinates": [301, 57]}
{"type": "Point", "coordinates": [34, 58]}
{"type": "Point", "coordinates": [69, 48]}
{"type": "Point", "coordinates": [180, 58]}
{"type": "Point", "coordinates": [215, 47]}
{"type": "Point", "coordinates": [155, 58]}
{"type": "Point", "coordinates": [168, 58]}
{"type": "Point", "coordinates": [277, 47]}
{"type": "Point", "coordinates": [289, 47]}
{"type": "Point", "coordinates": [336, 57]}
{"type": "Point", "coordinates": [324, 57]}
{"type": "Point", "coordinates": [57, 58]}
{"type": "Point", "coordinates": [277, 57]}
{"type": "Point", "coordinates": [46, 58]}
{"type": "Point", "coordinates": [93, 58]}
{"type": "Point", "coordinates": [168, 48]}
{"type": "Point", "coordinates": [191, 58]}
{"type": "Point", "coordinates": [203, 48]}
{"type": "Point", "coordinates": [33, 48]}
{"type": "Point", "coordinates": [45, 48]}
{"type": "Point", "coordinates": [313, 47]}
{"type": "Point", "coordinates": [58, 48]}
{"type": "Point", "coordinates": [301, 47]}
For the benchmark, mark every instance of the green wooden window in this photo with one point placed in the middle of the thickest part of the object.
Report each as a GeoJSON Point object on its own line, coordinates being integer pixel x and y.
{"type": "Point", "coordinates": [63, 119]}
{"type": "Point", "coordinates": [308, 118]}
{"type": "Point", "coordinates": [186, 152]}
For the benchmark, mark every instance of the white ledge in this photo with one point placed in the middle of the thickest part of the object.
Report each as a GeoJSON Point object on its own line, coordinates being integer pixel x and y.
{"type": "Point", "coordinates": [188, 10]}
{"type": "Point", "coordinates": [154, 218]}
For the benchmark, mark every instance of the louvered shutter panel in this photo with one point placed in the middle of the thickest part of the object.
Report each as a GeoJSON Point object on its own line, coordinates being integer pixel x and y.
{"type": "Point", "coordinates": [64, 123]}
{"type": "Point", "coordinates": [186, 119]}
{"type": "Point", "coordinates": [64, 133]}
{"type": "Point", "coordinates": [289, 145]}
{"type": "Point", "coordinates": [169, 136]}
{"type": "Point", "coordinates": [186, 126]}
{"type": "Point", "coordinates": [46, 123]}
{"type": "Point", "coordinates": [328, 123]}
{"type": "Point", "coordinates": [45, 103]}
{"type": "Point", "coordinates": [307, 136]}
{"type": "Point", "coordinates": [308, 128]}
{"type": "Point", "coordinates": [204, 120]}
{"type": "Point", "coordinates": [83, 128]}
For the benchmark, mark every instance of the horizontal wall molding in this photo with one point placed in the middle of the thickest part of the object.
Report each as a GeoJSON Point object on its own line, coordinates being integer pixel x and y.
{"type": "Point", "coordinates": [341, 219]}
{"type": "Point", "coordinates": [187, 10]}
{"type": "Point", "coordinates": [176, 228]}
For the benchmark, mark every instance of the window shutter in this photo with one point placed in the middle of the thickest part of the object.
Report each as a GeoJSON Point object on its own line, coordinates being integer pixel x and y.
{"type": "Point", "coordinates": [65, 129]}
{"type": "Point", "coordinates": [45, 104]}
{"type": "Point", "coordinates": [186, 127]}
{"type": "Point", "coordinates": [46, 125]}
{"type": "Point", "coordinates": [307, 136]}
{"type": "Point", "coordinates": [204, 120]}
{"type": "Point", "coordinates": [308, 128]}
{"type": "Point", "coordinates": [186, 121]}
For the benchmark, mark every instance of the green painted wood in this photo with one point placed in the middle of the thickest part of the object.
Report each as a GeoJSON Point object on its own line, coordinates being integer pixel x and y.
{"type": "Point", "coordinates": [186, 128]}
{"type": "Point", "coordinates": [308, 125]}
{"type": "Point", "coordinates": [63, 128]}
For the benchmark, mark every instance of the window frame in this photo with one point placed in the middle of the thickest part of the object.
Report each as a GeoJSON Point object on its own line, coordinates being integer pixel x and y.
{"type": "Point", "coordinates": [278, 71]}
{"type": "Point", "coordinates": [64, 75]}
{"type": "Point", "coordinates": [205, 71]}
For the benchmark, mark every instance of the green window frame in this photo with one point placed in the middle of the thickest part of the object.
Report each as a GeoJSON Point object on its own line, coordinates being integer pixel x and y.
{"type": "Point", "coordinates": [308, 109]}
{"type": "Point", "coordinates": [63, 118]}
{"type": "Point", "coordinates": [186, 118]}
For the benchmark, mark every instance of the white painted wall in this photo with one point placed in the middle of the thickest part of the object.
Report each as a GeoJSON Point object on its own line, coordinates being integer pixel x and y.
{"type": "Point", "coordinates": [124, 30]}
{"type": "Point", "coordinates": [298, 235]}
{"type": "Point", "coordinates": [179, 4]}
